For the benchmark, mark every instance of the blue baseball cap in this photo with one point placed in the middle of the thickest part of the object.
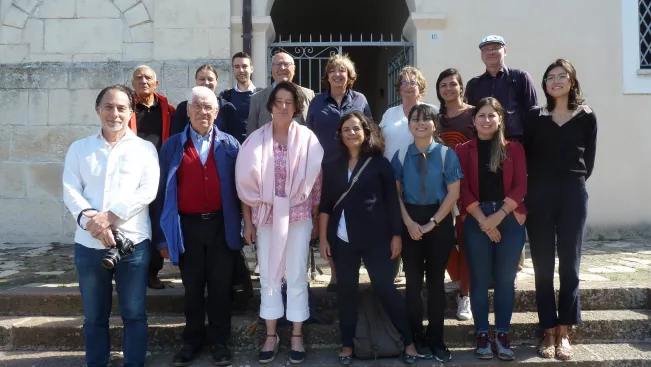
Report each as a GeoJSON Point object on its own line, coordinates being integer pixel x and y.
{"type": "Point", "coordinates": [492, 39]}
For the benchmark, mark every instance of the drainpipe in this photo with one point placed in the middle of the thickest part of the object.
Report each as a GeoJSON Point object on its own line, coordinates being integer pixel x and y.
{"type": "Point", "coordinates": [247, 26]}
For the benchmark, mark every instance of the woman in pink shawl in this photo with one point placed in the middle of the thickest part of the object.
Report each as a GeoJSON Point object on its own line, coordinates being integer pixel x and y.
{"type": "Point", "coordinates": [278, 178]}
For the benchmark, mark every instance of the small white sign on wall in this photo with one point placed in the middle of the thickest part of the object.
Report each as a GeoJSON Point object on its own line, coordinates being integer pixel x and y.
{"type": "Point", "coordinates": [434, 36]}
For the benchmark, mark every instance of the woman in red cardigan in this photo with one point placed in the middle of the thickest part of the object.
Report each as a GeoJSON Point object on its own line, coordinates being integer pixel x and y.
{"type": "Point", "coordinates": [493, 187]}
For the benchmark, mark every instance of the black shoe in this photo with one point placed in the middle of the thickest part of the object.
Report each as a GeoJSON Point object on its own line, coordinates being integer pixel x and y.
{"type": "Point", "coordinates": [424, 351]}
{"type": "Point", "coordinates": [221, 356]}
{"type": "Point", "coordinates": [154, 283]}
{"type": "Point", "coordinates": [296, 357]}
{"type": "Point", "coordinates": [442, 353]}
{"type": "Point", "coordinates": [331, 288]}
{"type": "Point", "coordinates": [269, 356]}
{"type": "Point", "coordinates": [185, 356]}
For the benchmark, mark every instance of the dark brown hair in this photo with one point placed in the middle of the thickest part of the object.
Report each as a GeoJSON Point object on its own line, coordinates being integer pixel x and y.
{"type": "Point", "coordinates": [241, 55]}
{"type": "Point", "coordinates": [498, 142]}
{"type": "Point", "coordinates": [444, 74]}
{"type": "Point", "coordinates": [121, 88]}
{"type": "Point", "coordinates": [296, 95]}
{"type": "Point", "coordinates": [207, 67]}
{"type": "Point", "coordinates": [373, 140]}
{"type": "Point", "coordinates": [575, 98]}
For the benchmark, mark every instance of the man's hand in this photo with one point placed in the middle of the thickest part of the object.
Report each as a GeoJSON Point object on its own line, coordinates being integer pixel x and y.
{"type": "Point", "coordinates": [106, 238]}
{"type": "Point", "coordinates": [99, 222]}
{"type": "Point", "coordinates": [164, 253]}
{"type": "Point", "coordinates": [396, 246]}
{"type": "Point", "coordinates": [324, 249]}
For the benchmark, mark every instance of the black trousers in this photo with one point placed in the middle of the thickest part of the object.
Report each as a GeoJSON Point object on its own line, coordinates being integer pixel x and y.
{"type": "Point", "coordinates": [156, 260]}
{"type": "Point", "coordinates": [556, 220]}
{"type": "Point", "coordinates": [378, 263]}
{"type": "Point", "coordinates": [427, 256]}
{"type": "Point", "coordinates": [207, 261]}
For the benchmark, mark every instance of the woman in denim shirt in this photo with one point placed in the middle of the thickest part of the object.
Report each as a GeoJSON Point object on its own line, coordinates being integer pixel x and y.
{"type": "Point", "coordinates": [428, 177]}
{"type": "Point", "coordinates": [492, 191]}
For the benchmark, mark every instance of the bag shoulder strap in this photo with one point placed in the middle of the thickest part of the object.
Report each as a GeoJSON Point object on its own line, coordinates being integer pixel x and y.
{"type": "Point", "coordinates": [352, 182]}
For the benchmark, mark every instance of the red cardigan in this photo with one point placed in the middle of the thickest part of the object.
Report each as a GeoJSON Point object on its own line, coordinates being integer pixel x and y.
{"type": "Point", "coordinates": [167, 112]}
{"type": "Point", "coordinates": [514, 169]}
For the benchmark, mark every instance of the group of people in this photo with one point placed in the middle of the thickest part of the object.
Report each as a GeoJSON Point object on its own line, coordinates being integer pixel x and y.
{"type": "Point", "coordinates": [450, 187]}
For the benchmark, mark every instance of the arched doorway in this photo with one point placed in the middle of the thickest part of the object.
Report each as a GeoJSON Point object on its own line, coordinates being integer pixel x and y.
{"type": "Point", "coordinates": [370, 31]}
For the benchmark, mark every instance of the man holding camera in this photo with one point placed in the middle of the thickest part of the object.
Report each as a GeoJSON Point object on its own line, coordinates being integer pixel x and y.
{"type": "Point", "coordinates": [200, 223]}
{"type": "Point", "coordinates": [109, 180]}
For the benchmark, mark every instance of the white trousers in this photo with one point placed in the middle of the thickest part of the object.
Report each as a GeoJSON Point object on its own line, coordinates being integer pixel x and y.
{"type": "Point", "coordinates": [295, 265]}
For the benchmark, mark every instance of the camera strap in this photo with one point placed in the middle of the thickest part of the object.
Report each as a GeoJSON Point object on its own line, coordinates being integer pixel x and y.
{"type": "Point", "coordinates": [82, 213]}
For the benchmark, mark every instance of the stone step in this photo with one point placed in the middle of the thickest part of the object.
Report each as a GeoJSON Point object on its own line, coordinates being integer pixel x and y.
{"type": "Point", "coordinates": [66, 301]}
{"type": "Point", "coordinates": [65, 333]}
{"type": "Point", "coordinates": [585, 355]}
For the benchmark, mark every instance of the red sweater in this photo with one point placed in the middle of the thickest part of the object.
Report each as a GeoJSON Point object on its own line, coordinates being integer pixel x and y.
{"type": "Point", "coordinates": [199, 188]}
{"type": "Point", "coordinates": [167, 111]}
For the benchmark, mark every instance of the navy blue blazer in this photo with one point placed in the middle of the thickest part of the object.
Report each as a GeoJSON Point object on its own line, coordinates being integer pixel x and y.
{"type": "Point", "coordinates": [372, 206]}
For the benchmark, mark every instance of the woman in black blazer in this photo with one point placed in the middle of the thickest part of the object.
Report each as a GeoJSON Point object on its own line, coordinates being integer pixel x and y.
{"type": "Point", "coordinates": [365, 224]}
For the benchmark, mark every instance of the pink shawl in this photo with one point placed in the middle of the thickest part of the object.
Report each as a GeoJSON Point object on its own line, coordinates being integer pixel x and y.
{"type": "Point", "coordinates": [255, 182]}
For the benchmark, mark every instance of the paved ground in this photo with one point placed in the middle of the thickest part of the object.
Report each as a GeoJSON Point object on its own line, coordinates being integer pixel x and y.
{"type": "Point", "coordinates": [53, 264]}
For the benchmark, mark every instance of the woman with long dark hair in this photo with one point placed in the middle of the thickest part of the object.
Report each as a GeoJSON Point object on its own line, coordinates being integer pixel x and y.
{"type": "Point", "coordinates": [560, 140]}
{"type": "Point", "coordinates": [492, 191]}
{"type": "Point", "coordinates": [360, 220]}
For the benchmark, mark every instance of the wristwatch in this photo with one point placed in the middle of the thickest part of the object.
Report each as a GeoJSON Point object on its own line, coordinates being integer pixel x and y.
{"type": "Point", "coordinates": [434, 221]}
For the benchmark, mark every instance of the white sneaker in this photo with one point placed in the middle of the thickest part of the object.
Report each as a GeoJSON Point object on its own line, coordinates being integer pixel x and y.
{"type": "Point", "coordinates": [463, 308]}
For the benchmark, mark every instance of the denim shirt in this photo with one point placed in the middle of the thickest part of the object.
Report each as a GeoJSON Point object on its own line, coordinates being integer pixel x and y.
{"type": "Point", "coordinates": [166, 222]}
{"type": "Point", "coordinates": [436, 180]}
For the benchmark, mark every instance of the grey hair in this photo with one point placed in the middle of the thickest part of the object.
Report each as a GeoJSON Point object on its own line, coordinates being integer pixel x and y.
{"type": "Point", "coordinates": [202, 92]}
{"type": "Point", "coordinates": [148, 67]}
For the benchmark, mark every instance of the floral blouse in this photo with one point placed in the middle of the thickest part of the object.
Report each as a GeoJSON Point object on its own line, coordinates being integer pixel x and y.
{"type": "Point", "coordinates": [298, 212]}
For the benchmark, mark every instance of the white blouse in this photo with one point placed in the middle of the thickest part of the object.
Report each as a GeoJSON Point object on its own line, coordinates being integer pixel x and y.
{"type": "Point", "coordinates": [395, 130]}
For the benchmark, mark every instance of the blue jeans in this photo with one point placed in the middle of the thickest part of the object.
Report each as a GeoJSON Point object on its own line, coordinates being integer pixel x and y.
{"type": "Point", "coordinates": [96, 287]}
{"type": "Point", "coordinates": [489, 260]}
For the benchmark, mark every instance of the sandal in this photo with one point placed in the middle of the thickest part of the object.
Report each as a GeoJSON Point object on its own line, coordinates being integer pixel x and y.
{"type": "Point", "coordinates": [548, 350]}
{"type": "Point", "coordinates": [296, 357]}
{"type": "Point", "coordinates": [268, 356]}
{"type": "Point", "coordinates": [346, 360]}
{"type": "Point", "coordinates": [564, 350]}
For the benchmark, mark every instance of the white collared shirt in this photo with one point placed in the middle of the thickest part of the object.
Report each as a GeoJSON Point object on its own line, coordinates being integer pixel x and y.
{"type": "Point", "coordinates": [251, 88]}
{"type": "Point", "coordinates": [202, 143]}
{"type": "Point", "coordinates": [122, 179]}
{"type": "Point", "coordinates": [395, 129]}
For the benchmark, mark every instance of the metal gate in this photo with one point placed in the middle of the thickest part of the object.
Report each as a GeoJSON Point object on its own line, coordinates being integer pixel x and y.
{"type": "Point", "coordinates": [311, 56]}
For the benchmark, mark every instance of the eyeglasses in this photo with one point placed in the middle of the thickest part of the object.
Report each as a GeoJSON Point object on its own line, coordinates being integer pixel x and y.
{"type": "Point", "coordinates": [203, 107]}
{"type": "Point", "coordinates": [279, 65]}
{"type": "Point", "coordinates": [487, 50]}
{"type": "Point", "coordinates": [561, 78]}
{"type": "Point", "coordinates": [406, 84]}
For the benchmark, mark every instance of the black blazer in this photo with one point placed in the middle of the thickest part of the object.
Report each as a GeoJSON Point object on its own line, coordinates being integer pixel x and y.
{"type": "Point", "coordinates": [372, 206]}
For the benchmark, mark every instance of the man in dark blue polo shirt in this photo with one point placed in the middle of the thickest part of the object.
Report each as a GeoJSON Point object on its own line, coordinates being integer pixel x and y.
{"type": "Point", "coordinates": [513, 88]}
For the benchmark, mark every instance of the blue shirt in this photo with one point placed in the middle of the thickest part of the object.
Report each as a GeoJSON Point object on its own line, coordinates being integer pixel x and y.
{"type": "Point", "coordinates": [323, 118]}
{"type": "Point", "coordinates": [201, 143]}
{"type": "Point", "coordinates": [436, 180]}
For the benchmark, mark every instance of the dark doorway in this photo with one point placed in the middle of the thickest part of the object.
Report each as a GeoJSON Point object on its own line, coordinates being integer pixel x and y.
{"type": "Point", "coordinates": [358, 20]}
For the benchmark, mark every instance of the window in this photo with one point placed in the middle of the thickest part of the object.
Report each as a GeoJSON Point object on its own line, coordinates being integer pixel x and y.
{"type": "Point", "coordinates": [645, 33]}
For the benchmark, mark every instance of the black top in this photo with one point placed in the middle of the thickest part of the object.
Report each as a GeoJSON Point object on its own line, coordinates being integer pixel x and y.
{"type": "Point", "coordinates": [149, 123]}
{"type": "Point", "coordinates": [372, 206]}
{"type": "Point", "coordinates": [555, 151]}
{"type": "Point", "coordinates": [225, 121]}
{"type": "Point", "coordinates": [491, 184]}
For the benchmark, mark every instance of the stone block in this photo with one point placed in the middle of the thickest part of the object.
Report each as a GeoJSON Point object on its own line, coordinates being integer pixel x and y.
{"type": "Point", "coordinates": [12, 54]}
{"type": "Point", "coordinates": [14, 105]}
{"type": "Point", "coordinates": [97, 9]}
{"type": "Point", "coordinates": [192, 14]}
{"type": "Point", "coordinates": [97, 57]}
{"type": "Point", "coordinates": [12, 180]}
{"type": "Point", "coordinates": [189, 44]}
{"type": "Point", "coordinates": [149, 4]}
{"type": "Point", "coordinates": [30, 220]}
{"type": "Point", "coordinates": [38, 107]}
{"type": "Point", "coordinates": [177, 95]}
{"type": "Point", "coordinates": [48, 76]}
{"type": "Point", "coordinates": [176, 76]}
{"type": "Point", "coordinates": [73, 107]}
{"type": "Point", "coordinates": [60, 9]}
{"type": "Point", "coordinates": [33, 35]}
{"type": "Point", "coordinates": [124, 5]}
{"type": "Point", "coordinates": [15, 17]}
{"type": "Point", "coordinates": [43, 181]}
{"type": "Point", "coordinates": [26, 5]}
{"type": "Point", "coordinates": [91, 36]}
{"type": "Point", "coordinates": [142, 32]}
{"type": "Point", "coordinates": [46, 143]}
{"type": "Point", "coordinates": [95, 77]}
{"type": "Point", "coordinates": [6, 136]}
{"type": "Point", "coordinates": [38, 57]}
{"type": "Point", "coordinates": [137, 15]}
{"type": "Point", "coordinates": [10, 35]}
{"type": "Point", "coordinates": [138, 51]}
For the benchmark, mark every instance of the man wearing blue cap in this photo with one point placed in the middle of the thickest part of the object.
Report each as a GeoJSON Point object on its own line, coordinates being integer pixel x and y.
{"type": "Point", "coordinates": [513, 88]}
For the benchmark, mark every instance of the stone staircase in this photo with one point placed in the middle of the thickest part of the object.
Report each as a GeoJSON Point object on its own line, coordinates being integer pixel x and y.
{"type": "Point", "coordinates": [41, 325]}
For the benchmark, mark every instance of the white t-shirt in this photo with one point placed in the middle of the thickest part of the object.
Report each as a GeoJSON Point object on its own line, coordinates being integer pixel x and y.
{"type": "Point", "coordinates": [395, 130]}
{"type": "Point", "coordinates": [342, 233]}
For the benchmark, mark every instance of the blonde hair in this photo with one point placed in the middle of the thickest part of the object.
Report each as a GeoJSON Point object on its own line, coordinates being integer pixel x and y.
{"type": "Point", "coordinates": [337, 61]}
{"type": "Point", "coordinates": [413, 71]}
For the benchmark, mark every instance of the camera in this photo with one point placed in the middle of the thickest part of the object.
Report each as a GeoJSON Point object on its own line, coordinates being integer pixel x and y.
{"type": "Point", "coordinates": [123, 247]}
